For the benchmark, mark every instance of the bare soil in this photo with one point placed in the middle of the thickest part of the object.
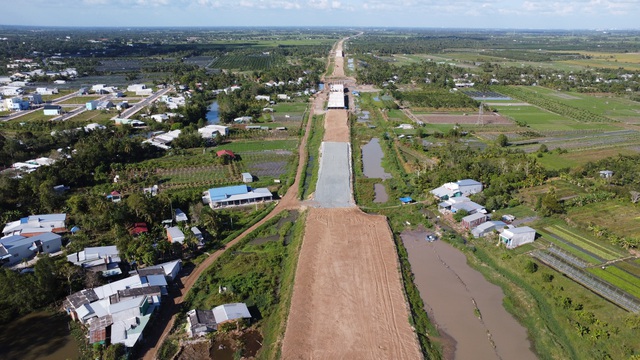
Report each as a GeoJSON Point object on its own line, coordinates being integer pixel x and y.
{"type": "Point", "coordinates": [464, 119]}
{"type": "Point", "coordinates": [336, 126]}
{"type": "Point", "coordinates": [347, 300]}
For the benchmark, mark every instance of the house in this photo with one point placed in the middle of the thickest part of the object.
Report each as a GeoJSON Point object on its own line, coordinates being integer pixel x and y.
{"type": "Point", "coordinates": [235, 196]}
{"type": "Point", "coordinates": [122, 105]}
{"type": "Point", "coordinates": [104, 105]}
{"type": "Point", "coordinates": [11, 90]}
{"type": "Point", "coordinates": [247, 178]}
{"type": "Point", "coordinates": [405, 126]}
{"type": "Point", "coordinates": [36, 224]}
{"type": "Point", "coordinates": [97, 87]}
{"type": "Point", "coordinates": [164, 139]}
{"type": "Point", "coordinates": [170, 269]}
{"type": "Point", "coordinates": [263, 97]}
{"type": "Point", "coordinates": [469, 206]}
{"type": "Point", "coordinates": [283, 97]}
{"type": "Point", "coordinates": [52, 110]}
{"type": "Point", "coordinates": [35, 99]}
{"type": "Point", "coordinates": [160, 117]}
{"type": "Point", "coordinates": [487, 228]}
{"type": "Point", "coordinates": [83, 91]}
{"type": "Point", "coordinates": [122, 308]}
{"type": "Point", "coordinates": [459, 188]}
{"type": "Point", "coordinates": [136, 87]}
{"type": "Point", "coordinates": [16, 103]}
{"type": "Point", "coordinates": [606, 174]}
{"type": "Point", "coordinates": [105, 259]}
{"type": "Point", "coordinates": [200, 322]}
{"type": "Point", "coordinates": [174, 234]}
{"type": "Point", "coordinates": [94, 126]}
{"type": "Point", "coordinates": [211, 131]}
{"type": "Point", "coordinates": [114, 196]}
{"type": "Point", "coordinates": [138, 228]}
{"type": "Point", "coordinates": [181, 216]}
{"type": "Point", "coordinates": [230, 312]}
{"type": "Point", "coordinates": [515, 237]}
{"type": "Point", "coordinates": [198, 235]}
{"type": "Point", "coordinates": [228, 153]}
{"type": "Point", "coordinates": [46, 91]}
{"type": "Point", "coordinates": [473, 220]}
{"type": "Point", "coordinates": [16, 248]}
{"type": "Point", "coordinates": [242, 119]}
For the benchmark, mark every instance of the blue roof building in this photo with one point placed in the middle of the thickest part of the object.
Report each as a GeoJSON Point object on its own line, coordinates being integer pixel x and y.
{"type": "Point", "coordinates": [236, 195]}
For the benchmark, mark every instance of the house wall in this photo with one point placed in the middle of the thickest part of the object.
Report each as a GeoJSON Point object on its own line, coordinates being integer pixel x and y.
{"type": "Point", "coordinates": [472, 189]}
{"type": "Point", "coordinates": [521, 239]}
{"type": "Point", "coordinates": [18, 253]}
{"type": "Point", "coordinates": [52, 246]}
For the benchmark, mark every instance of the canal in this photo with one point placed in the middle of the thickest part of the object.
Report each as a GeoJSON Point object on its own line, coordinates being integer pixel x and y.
{"type": "Point", "coordinates": [465, 306]}
{"type": "Point", "coordinates": [42, 335]}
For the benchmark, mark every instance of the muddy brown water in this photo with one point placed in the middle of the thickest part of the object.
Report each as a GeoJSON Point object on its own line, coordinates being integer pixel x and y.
{"type": "Point", "coordinates": [40, 335]}
{"type": "Point", "coordinates": [452, 291]}
{"type": "Point", "coordinates": [372, 160]}
{"type": "Point", "coordinates": [381, 194]}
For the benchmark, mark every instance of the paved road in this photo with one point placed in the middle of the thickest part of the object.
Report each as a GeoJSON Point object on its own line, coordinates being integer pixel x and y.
{"type": "Point", "coordinates": [139, 106]}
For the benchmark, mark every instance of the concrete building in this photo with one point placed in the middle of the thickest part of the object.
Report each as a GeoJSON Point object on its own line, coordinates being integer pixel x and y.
{"type": "Point", "coordinates": [16, 248]}
{"type": "Point", "coordinates": [247, 178]}
{"type": "Point", "coordinates": [487, 228]}
{"type": "Point", "coordinates": [473, 220]}
{"type": "Point", "coordinates": [515, 237]}
{"type": "Point", "coordinates": [46, 91]}
{"type": "Point", "coordinates": [459, 188]}
{"type": "Point", "coordinates": [336, 97]}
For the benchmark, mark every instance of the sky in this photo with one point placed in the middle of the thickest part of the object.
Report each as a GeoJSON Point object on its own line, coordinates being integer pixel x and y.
{"type": "Point", "coordinates": [494, 14]}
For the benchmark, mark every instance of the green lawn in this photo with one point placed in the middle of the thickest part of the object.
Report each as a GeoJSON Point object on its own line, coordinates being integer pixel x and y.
{"type": "Point", "coordinates": [294, 107]}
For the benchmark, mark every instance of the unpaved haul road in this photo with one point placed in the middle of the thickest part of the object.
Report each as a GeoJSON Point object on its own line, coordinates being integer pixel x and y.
{"type": "Point", "coordinates": [348, 301]}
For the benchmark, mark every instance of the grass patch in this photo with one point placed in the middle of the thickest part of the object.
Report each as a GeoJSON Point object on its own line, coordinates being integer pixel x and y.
{"type": "Point", "coordinates": [618, 216]}
{"type": "Point", "coordinates": [312, 164]}
{"type": "Point", "coordinates": [598, 248]}
{"type": "Point", "coordinates": [555, 161]}
{"type": "Point", "coordinates": [619, 278]}
{"type": "Point", "coordinates": [240, 146]}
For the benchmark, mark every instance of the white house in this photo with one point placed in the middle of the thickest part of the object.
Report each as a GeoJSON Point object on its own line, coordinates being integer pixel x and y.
{"type": "Point", "coordinates": [52, 110]}
{"type": "Point", "coordinates": [405, 126]}
{"type": "Point", "coordinates": [263, 97]}
{"type": "Point", "coordinates": [11, 90]}
{"type": "Point", "coordinates": [459, 188]}
{"type": "Point", "coordinates": [211, 131]}
{"type": "Point", "coordinates": [229, 312]}
{"type": "Point", "coordinates": [160, 117]}
{"type": "Point", "coordinates": [36, 224]}
{"type": "Point", "coordinates": [181, 216]}
{"type": "Point", "coordinates": [15, 248]}
{"type": "Point", "coordinates": [283, 97]}
{"type": "Point", "coordinates": [103, 258]}
{"type": "Point", "coordinates": [515, 237]}
{"type": "Point", "coordinates": [136, 87]}
{"type": "Point", "coordinates": [247, 177]}
{"type": "Point", "coordinates": [174, 234]}
{"type": "Point", "coordinates": [235, 196]}
{"type": "Point", "coordinates": [46, 91]}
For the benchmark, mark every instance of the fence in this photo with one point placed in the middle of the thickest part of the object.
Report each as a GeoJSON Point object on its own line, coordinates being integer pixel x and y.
{"type": "Point", "coordinates": [588, 280]}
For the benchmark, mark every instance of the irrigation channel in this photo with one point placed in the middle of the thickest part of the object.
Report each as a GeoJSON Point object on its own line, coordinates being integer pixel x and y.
{"type": "Point", "coordinates": [466, 307]}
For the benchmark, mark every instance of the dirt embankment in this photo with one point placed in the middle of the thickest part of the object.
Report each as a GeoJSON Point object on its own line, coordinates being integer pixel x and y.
{"type": "Point", "coordinates": [336, 126]}
{"type": "Point", "coordinates": [348, 301]}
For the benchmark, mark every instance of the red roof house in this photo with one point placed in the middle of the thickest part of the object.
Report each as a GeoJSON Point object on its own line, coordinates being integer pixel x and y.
{"type": "Point", "coordinates": [230, 153]}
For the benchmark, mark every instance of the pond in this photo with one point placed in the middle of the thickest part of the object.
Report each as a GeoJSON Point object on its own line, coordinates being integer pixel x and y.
{"type": "Point", "coordinates": [466, 307]}
{"type": "Point", "coordinates": [212, 114]}
{"type": "Point", "coordinates": [42, 335]}
{"type": "Point", "coordinates": [372, 160]}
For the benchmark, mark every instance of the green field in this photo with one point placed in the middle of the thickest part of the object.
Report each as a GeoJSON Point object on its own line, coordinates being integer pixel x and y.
{"type": "Point", "coordinates": [610, 106]}
{"type": "Point", "coordinates": [597, 247]}
{"type": "Point", "coordinates": [555, 161]}
{"type": "Point", "coordinates": [542, 120]}
{"type": "Point", "coordinates": [618, 278]}
{"type": "Point", "coordinates": [80, 99]}
{"type": "Point", "coordinates": [240, 146]}
{"type": "Point", "coordinates": [569, 249]}
{"type": "Point", "coordinates": [292, 107]}
{"type": "Point", "coordinates": [621, 218]}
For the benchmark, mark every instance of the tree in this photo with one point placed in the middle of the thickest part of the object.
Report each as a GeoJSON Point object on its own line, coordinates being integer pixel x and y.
{"type": "Point", "coordinates": [502, 140]}
{"type": "Point", "coordinates": [460, 214]}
